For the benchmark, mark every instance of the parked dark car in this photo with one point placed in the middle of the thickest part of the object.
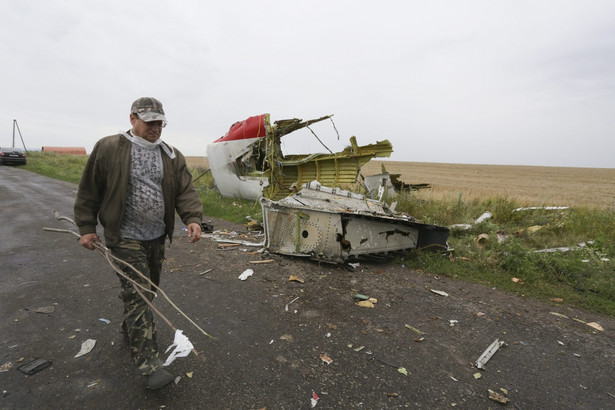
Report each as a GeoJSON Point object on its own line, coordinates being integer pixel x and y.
{"type": "Point", "coordinates": [12, 156]}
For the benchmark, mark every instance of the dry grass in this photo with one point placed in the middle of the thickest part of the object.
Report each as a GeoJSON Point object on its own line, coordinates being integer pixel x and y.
{"type": "Point", "coordinates": [528, 185]}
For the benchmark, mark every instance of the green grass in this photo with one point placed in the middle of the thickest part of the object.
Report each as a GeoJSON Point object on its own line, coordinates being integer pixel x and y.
{"type": "Point", "coordinates": [583, 277]}
{"type": "Point", "coordinates": [59, 166]}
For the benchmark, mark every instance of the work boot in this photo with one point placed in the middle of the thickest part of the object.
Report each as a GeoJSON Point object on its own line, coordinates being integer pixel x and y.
{"type": "Point", "coordinates": [159, 378]}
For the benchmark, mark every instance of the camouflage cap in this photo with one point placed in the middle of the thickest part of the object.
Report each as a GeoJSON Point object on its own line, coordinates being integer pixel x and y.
{"type": "Point", "coordinates": [148, 109]}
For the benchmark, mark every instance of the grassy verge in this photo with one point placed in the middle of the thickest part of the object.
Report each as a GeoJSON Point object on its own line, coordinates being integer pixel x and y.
{"type": "Point", "coordinates": [508, 258]}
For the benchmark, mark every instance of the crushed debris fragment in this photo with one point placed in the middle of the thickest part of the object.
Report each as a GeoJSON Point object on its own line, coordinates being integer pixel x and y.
{"type": "Point", "coordinates": [314, 400]}
{"type": "Point", "coordinates": [246, 274]}
{"type": "Point", "coordinates": [484, 358]}
{"type": "Point", "coordinates": [86, 347]}
{"type": "Point", "coordinates": [334, 225]}
{"type": "Point", "coordinates": [414, 329]}
{"type": "Point", "coordinates": [295, 278]}
{"type": "Point", "coordinates": [182, 347]}
{"type": "Point", "coordinates": [497, 397]}
{"type": "Point", "coordinates": [34, 366]}
{"type": "Point", "coordinates": [326, 359]}
{"type": "Point", "coordinates": [596, 326]}
{"type": "Point", "coordinates": [46, 309]}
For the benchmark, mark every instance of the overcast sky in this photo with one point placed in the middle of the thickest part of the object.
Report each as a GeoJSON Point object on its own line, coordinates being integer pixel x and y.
{"type": "Point", "coordinates": [479, 82]}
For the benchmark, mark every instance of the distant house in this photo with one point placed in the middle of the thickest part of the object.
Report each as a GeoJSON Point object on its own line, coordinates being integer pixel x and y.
{"type": "Point", "coordinates": [65, 150]}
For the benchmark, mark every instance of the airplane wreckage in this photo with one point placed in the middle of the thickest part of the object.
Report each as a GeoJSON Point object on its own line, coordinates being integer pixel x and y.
{"type": "Point", "coordinates": [305, 211]}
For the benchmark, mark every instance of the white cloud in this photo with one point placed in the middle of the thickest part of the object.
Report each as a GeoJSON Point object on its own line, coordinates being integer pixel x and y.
{"type": "Point", "coordinates": [511, 82]}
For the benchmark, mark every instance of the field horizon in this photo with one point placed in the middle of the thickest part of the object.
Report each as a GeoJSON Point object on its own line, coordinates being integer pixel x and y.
{"type": "Point", "coordinates": [528, 185]}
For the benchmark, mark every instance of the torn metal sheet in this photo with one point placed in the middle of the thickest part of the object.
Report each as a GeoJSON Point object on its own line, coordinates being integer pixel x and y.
{"type": "Point", "coordinates": [334, 225]}
{"type": "Point", "coordinates": [390, 184]}
{"type": "Point", "coordinates": [248, 161]}
{"type": "Point", "coordinates": [484, 358]}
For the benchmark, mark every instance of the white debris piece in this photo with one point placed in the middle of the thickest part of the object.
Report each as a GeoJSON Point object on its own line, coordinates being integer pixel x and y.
{"type": "Point", "coordinates": [484, 358]}
{"type": "Point", "coordinates": [183, 347]}
{"type": "Point", "coordinates": [86, 347]}
{"type": "Point", "coordinates": [246, 274]}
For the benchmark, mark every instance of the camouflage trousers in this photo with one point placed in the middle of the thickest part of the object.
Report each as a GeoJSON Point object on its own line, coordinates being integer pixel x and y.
{"type": "Point", "coordinates": [138, 324]}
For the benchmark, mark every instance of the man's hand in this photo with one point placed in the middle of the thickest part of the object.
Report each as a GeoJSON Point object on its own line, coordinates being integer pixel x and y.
{"type": "Point", "coordinates": [194, 232]}
{"type": "Point", "coordinates": [87, 240]}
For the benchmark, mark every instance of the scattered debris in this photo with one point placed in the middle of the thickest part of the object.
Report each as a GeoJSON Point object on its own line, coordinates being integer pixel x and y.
{"type": "Point", "coordinates": [484, 358]}
{"type": "Point", "coordinates": [246, 274]}
{"type": "Point", "coordinates": [314, 400]}
{"type": "Point", "coordinates": [377, 185]}
{"type": "Point", "coordinates": [403, 371]}
{"type": "Point", "coordinates": [228, 245]}
{"type": "Point", "coordinates": [595, 326]}
{"type": "Point", "coordinates": [204, 272]}
{"type": "Point", "coordinates": [501, 236]}
{"type": "Point", "coordinates": [565, 248]}
{"type": "Point", "coordinates": [486, 215]}
{"type": "Point", "coordinates": [182, 345]}
{"type": "Point", "coordinates": [452, 322]}
{"type": "Point", "coordinates": [482, 240]}
{"type": "Point", "coordinates": [393, 394]}
{"type": "Point", "coordinates": [254, 225]}
{"type": "Point", "coordinates": [326, 359]}
{"type": "Point", "coordinates": [495, 396]}
{"type": "Point", "coordinates": [559, 315]}
{"type": "Point", "coordinates": [365, 304]}
{"type": "Point", "coordinates": [517, 280]}
{"type": "Point", "coordinates": [439, 292]}
{"type": "Point", "coordinates": [477, 375]}
{"type": "Point", "coordinates": [295, 278]}
{"type": "Point", "coordinates": [86, 347]}
{"type": "Point", "coordinates": [46, 309]}
{"type": "Point", "coordinates": [288, 338]}
{"type": "Point", "coordinates": [414, 329]}
{"type": "Point", "coordinates": [262, 261]}
{"type": "Point", "coordinates": [360, 296]}
{"type": "Point", "coordinates": [106, 321]}
{"type": "Point", "coordinates": [289, 303]}
{"type": "Point", "coordinates": [548, 208]}
{"type": "Point", "coordinates": [34, 366]}
{"type": "Point", "coordinates": [6, 367]}
{"type": "Point", "coordinates": [556, 300]}
{"type": "Point", "coordinates": [464, 227]}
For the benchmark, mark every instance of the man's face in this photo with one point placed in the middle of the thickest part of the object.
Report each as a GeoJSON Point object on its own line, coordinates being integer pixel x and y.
{"type": "Point", "coordinates": [149, 131]}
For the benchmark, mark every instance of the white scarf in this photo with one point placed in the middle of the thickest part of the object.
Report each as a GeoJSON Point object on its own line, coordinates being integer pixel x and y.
{"type": "Point", "coordinates": [169, 150]}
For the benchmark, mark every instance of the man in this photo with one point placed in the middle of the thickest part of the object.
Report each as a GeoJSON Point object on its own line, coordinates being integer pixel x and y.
{"type": "Point", "coordinates": [133, 183]}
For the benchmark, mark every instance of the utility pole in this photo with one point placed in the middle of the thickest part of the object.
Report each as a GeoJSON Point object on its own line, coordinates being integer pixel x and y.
{"type": "Point", "coordinates": [15, 125]}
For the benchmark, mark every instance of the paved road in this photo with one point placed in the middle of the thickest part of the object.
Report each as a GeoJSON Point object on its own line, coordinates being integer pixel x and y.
{"type": "Point", "coordinates": [272, 332]}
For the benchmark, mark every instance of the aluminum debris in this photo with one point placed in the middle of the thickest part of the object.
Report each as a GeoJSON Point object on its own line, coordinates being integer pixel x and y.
{"type": "Point", "coordinates": [334, 225]}
{"type": "Point", "coordinates": [484, 358]}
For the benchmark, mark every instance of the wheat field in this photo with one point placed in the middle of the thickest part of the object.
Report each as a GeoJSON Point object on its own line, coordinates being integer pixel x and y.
{"type": "Point", "coordinates": [528, 185]}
